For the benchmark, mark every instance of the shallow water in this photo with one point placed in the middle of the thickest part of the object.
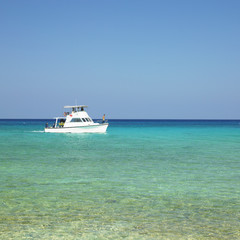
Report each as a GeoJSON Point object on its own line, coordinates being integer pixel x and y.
{"type": "Point", "coordinates": [140, 180]}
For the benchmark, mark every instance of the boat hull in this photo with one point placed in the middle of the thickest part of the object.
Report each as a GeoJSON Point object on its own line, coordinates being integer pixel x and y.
{"type": "Point", "coordinates": [100, 128]}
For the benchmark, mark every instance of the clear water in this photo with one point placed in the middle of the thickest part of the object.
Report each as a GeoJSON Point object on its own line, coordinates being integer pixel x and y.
{"type": "Point", "coordinates": [140, 180]}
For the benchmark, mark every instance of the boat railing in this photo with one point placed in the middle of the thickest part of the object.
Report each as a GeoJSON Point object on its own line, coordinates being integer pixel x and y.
{"type": "Point", "coordinates": [101, 121]}
{"type": "Point", "coordinates": [53, 126]}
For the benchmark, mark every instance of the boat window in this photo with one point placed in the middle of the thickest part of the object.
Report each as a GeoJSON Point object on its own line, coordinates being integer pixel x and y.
{"type": "Point", "coordinates": [76, 120]}
{"type": "Point", "coordinates": [87, 119]}
{"type": "Point", "coordinates": [84, 119]}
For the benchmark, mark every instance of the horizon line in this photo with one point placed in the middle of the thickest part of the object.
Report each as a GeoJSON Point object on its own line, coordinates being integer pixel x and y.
{"type": "Point", "coordinates": [164, 119]}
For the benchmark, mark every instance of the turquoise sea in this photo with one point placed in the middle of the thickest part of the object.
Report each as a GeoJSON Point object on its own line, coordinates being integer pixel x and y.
{"type": "Point", "coordinates": [143, 179]}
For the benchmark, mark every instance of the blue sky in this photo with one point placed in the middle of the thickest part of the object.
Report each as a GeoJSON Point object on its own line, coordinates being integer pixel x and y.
{"type": "Point", "coordinates": [128, 59]}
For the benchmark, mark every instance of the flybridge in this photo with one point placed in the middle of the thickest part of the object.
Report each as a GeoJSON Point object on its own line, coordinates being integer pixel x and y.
{"type": "Point", "coordinates": [77, 108]}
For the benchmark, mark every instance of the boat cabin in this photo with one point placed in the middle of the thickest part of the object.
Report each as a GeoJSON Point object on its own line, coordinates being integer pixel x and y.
{"type": "Point", "coordinates": [77, 117]}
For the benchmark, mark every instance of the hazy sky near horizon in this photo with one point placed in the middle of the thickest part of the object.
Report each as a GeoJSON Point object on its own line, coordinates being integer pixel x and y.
{"type": "Point", "coordinates": [128, 59]}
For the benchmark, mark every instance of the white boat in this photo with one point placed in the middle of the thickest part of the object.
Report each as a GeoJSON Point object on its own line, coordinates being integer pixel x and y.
{"type": "Point", "coordinates": [76, 121]}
